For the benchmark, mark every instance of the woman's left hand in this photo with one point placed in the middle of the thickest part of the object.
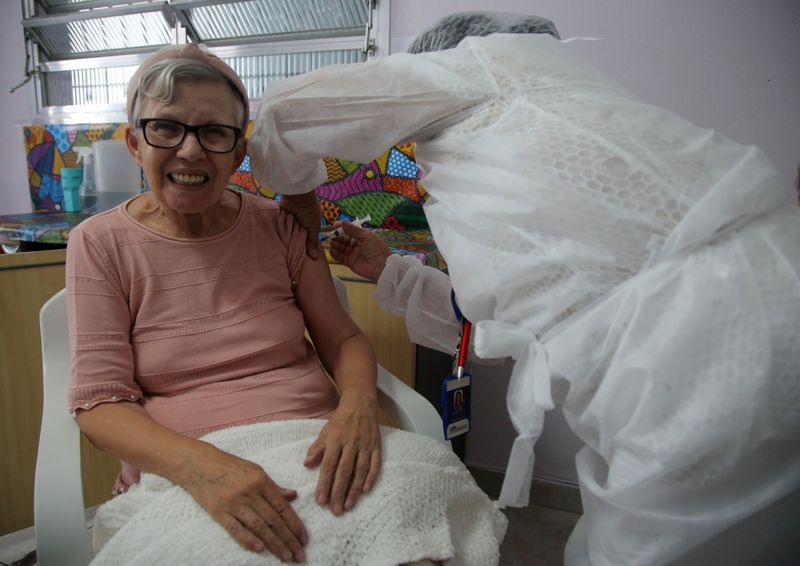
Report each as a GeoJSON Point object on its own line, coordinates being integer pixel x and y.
{"type": "Point", "coordinates": [349, 448]}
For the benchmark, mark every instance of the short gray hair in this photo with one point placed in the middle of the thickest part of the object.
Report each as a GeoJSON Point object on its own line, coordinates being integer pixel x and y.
{"type": "Point", "coordinates": [158, 83]}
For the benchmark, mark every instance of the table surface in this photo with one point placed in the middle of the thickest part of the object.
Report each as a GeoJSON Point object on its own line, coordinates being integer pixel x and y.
{"type": "Point", "coordinates": [45, 228]}
{"type": "Point", "coordinates": [53, 228]}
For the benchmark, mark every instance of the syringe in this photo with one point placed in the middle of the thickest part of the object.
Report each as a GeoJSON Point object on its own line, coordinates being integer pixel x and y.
{"type": "Point", "coordinates": [336, 232]}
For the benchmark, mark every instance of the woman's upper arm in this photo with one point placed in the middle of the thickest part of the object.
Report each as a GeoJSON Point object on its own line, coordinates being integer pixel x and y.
{"type": "Point", "coordinates": [99, 327]}
{"type": "Point", "coordinates": [326, 320]}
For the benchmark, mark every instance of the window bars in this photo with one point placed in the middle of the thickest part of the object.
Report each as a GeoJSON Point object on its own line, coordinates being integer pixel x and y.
{"type": "Point", "coordinates": [83, 52]}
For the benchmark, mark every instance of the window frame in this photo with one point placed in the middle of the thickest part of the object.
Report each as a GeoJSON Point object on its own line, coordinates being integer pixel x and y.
{"type": "Point", "coordinates": [373, 43]}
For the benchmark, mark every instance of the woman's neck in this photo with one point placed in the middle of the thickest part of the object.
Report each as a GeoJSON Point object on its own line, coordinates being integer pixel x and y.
{"type": "Point", "coordinates": [153, 214]}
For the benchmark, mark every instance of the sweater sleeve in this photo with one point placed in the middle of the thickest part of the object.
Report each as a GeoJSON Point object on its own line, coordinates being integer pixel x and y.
{"type": "Point", "coordinates": [422, 294]}
{"type": "Point", "coordinates": [99, 327]}
{"type": "Point", "coordinates": [357, 111]}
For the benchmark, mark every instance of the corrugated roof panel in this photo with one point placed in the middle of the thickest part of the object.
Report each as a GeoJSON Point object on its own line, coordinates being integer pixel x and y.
{"type": "Point", "coordinates": [59, 3]}
{"type": "Point", "coordinates": [274, 17]}
{"type": "Point", "coordinates": [115, 32]}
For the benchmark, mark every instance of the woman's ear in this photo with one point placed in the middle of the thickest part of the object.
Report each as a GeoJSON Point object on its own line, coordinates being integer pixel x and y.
{"type": "Point", "coordinates": [133, 144]}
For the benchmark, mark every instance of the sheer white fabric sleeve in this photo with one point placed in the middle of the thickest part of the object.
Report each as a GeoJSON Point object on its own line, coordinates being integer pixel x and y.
{"type": "Point", "coordinates": [358, 111]}
{"type": "Point", "coordinates": [422, 294]}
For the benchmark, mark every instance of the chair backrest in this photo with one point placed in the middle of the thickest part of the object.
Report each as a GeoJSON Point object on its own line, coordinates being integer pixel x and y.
{"type": "Point", "coordinates": [61, 535]}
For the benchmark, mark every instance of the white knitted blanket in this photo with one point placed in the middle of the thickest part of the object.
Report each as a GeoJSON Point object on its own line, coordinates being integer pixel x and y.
{"type": "Point", "coordinates": [424, 505]}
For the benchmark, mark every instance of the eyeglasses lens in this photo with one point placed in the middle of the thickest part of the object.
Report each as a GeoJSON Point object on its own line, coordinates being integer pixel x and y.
{"type": "Point", "coordinates": [169, 134]}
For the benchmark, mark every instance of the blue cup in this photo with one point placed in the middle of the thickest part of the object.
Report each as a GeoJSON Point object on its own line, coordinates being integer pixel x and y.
{"type": "Point", "coordinates": [71, 179]}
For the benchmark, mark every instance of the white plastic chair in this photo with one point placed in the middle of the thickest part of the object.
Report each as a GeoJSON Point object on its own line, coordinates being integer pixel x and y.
{"type": "Point", "coordinates": [61, 535]}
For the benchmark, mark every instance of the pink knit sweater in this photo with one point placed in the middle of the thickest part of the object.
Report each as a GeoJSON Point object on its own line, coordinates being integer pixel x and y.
{"type": "Point", "coordinates": [203, 333]}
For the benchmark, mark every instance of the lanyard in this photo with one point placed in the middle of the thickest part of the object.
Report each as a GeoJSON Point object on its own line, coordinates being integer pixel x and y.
{"type": "Point", "coordinates": [456, 397]}
{"type": "Point", "coordinates": [463, 347]}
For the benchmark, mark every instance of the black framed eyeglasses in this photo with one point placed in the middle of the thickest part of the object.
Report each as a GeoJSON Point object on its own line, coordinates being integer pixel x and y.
{"type": "Point", "coordinates": [166, 134]}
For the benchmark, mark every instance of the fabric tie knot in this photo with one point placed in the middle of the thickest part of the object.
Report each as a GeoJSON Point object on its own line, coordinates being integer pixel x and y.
{"type": "Point", "coordinates": [528, 398]}
{"type": "Point", "coordinates": [495, 339]}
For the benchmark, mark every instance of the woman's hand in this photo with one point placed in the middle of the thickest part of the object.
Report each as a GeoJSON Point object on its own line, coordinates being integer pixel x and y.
{"type": "Point", "coordinates": [362, 251]}
{"type": "Point", "coordinates": [237, 493]}
{"type": "Point", "coordinates": [306, 209]}
{"type": "Point", "coordinates": [349, 447]}
{"type": "Point", "coordinates": [241, 497]}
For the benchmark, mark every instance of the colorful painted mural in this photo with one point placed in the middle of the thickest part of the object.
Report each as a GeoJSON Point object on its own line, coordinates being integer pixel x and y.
{"type": "Point", "coordinates": [49, 148]}
{"type": "Point", "coordinates": [387, 188]}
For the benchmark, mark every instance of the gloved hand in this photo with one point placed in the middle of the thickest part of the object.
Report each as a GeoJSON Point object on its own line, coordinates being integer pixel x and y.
{"type": "Point", "coordinates": [306, 209]}
{"type": "Point", "coordinates": [362, 251]}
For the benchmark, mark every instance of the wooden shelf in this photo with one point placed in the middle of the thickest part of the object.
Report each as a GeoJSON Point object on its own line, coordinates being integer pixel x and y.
{"type": "Point", "coordinates": [385, 331]}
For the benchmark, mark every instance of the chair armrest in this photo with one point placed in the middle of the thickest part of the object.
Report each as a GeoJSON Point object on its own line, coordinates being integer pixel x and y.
{"type": "Point", "coordinates": [409, 409]}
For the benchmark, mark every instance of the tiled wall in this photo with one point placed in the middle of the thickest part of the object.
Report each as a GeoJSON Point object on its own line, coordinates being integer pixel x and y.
{"type": "Point", "coordinates": [387, 188]}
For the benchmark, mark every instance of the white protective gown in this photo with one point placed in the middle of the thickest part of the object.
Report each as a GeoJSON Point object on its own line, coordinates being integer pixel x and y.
{"type": "Point", "coordinates": [421, 294]}
{"type": "Point", "coordinates": [644, 272]}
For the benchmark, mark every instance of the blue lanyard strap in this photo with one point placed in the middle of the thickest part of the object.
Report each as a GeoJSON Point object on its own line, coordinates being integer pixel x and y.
{"type": "Point", "coordinates": [453, 301]}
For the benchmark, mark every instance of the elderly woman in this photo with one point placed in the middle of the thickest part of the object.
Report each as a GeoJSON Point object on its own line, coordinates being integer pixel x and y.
{"type": "Point", "coordinates": [187, 310]}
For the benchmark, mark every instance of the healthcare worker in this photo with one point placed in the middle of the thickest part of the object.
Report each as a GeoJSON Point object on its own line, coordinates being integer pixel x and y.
{"type": "Point", "coordinates": [644, 272]}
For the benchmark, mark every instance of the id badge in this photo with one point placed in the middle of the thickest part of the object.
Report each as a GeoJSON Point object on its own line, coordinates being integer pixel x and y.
{"type": "Point", "coordinates": [456, 405]}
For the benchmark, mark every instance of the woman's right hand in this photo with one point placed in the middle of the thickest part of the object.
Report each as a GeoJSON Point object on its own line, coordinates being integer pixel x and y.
{"type": "Point", "coordinates": [241, 497]}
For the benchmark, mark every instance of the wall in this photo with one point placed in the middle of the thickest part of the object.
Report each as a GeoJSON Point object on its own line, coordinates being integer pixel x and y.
{"type": "Point", "coordinates": [730, 65]}
{"type": "Point", "coordinates": [15, 108]}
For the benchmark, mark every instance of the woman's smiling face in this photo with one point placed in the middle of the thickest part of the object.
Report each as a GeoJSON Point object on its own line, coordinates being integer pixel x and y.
{"type": "Point", "coordinates": [188, 179]}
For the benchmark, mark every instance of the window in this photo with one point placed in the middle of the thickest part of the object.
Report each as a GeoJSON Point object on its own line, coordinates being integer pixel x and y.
{"type": "Point", "coordinates": [85, 51]}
